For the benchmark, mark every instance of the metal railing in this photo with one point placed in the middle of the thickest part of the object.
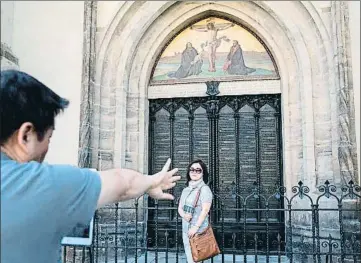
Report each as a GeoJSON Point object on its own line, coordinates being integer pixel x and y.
{"type": "Point", "coordinates": [306, 226]}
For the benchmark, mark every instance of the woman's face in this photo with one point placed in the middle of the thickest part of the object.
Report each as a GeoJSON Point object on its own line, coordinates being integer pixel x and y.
{"type": "Point", "coordinates": [196, 172]}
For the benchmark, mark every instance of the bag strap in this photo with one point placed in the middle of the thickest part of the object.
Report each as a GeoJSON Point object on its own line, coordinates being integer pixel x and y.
{"type": "Point", "coordinates": [197, 196]}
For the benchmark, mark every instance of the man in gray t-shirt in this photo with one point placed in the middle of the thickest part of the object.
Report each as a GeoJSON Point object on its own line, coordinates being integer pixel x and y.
{"type": "Point", "coordinates": [35, 215]}
{"type": "Point", "coordinates": [41, 203]}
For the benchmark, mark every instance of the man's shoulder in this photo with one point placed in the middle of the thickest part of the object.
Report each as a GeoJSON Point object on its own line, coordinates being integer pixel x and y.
{"type": "Point", "coordinates": [32, 167]}
{"type": "Point", "coordinates": [35, 171]}
{"type": "Point", "coordinates": [13, 168]}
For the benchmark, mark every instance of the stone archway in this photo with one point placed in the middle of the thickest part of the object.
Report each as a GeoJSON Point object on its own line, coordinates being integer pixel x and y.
{"type": "Point", "coordinates": [302, 53]}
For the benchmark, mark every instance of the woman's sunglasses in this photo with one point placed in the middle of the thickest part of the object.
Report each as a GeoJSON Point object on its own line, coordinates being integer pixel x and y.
{"type": "Point", "coordinates": [197, 171]}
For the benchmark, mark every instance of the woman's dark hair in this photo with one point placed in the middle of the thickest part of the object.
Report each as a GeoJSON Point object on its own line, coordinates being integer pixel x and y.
{"type": "Point", "coordinates": [25, 99]}
{"type": "Point", "coordinates": [204, 168]}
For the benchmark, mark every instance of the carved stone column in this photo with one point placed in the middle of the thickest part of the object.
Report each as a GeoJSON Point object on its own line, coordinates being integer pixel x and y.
{"type": "Point", "coordinates": [87, 89]}
{"type": "Point", "coordinates": [347, 149]}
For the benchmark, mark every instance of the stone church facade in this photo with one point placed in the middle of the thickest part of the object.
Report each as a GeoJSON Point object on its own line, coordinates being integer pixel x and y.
{"type": "Point", "coordinates": [310, 42]}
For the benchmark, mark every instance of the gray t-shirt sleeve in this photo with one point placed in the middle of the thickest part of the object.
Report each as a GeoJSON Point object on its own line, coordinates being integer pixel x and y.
{"type": "Point", "coordinates": [77, 194]}
{"type": "Point", "coordinates": [206, 195]}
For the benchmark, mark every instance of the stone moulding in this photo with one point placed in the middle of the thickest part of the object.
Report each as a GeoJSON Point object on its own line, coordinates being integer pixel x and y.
{"type": "Point", "coordinates": [5, 52]}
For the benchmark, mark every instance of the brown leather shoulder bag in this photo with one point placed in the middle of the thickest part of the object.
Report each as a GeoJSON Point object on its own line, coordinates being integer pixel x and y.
{"type": "Point", "coordinates": [203, 244]}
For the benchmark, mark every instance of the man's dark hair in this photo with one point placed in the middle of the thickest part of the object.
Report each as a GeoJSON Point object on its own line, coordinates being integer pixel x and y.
{"type": "Point", "coordinates": [25, 99]}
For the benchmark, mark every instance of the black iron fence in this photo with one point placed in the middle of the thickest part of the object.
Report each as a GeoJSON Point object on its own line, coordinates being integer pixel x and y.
{"type": "Point", "coordinates": [305, 226]}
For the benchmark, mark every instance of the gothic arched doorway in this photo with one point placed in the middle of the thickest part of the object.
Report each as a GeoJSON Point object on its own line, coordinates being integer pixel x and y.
{"type": "Point", "coordinates": [238, 135]}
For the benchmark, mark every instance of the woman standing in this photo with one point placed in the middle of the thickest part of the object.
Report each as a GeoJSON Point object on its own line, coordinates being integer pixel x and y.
{"type": "Point", "coordinates": [195, 219]}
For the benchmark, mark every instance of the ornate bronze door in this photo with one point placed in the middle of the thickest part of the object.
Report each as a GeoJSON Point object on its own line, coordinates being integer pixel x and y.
{"type": "Point", "coordinates": [239, 138]}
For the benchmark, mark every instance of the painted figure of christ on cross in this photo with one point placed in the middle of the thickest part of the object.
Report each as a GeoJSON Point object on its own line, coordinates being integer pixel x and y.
{"type": "Point", "coordinates": [213, 42]}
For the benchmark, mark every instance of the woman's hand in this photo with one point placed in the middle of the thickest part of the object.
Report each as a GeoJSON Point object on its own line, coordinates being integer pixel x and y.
{"type": "Point", "coordinates": [187, 217]}
{"type": "Point", "coordinates": [192, 231]}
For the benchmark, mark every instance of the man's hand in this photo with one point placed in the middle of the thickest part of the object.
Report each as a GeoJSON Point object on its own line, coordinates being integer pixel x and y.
{"type": "Point", "coordinates": [163, 180]}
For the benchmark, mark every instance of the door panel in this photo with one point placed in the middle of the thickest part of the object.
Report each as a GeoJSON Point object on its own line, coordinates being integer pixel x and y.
{"type": "Point", "coordinates": [238, 137]}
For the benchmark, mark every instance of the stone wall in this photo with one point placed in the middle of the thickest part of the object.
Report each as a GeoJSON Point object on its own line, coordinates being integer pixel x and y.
{"type": "Point", "coordinates": [8, 58]}
{"type": "Point", "coordinates": [354, 21]}
{"type": "Point", "coordinates": [47, 39]}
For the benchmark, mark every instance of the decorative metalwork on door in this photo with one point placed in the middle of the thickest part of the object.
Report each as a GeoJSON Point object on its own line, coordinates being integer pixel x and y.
{"type": "Point", "coordinates": [239, 138]}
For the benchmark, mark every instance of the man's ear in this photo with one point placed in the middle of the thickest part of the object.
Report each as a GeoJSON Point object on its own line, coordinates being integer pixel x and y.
{"type": "Point", "coordinates": [25, 133]}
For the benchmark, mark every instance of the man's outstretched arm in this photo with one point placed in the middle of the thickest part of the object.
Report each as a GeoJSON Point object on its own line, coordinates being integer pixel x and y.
{"type": "Point", "coordinates": [124, 184]}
